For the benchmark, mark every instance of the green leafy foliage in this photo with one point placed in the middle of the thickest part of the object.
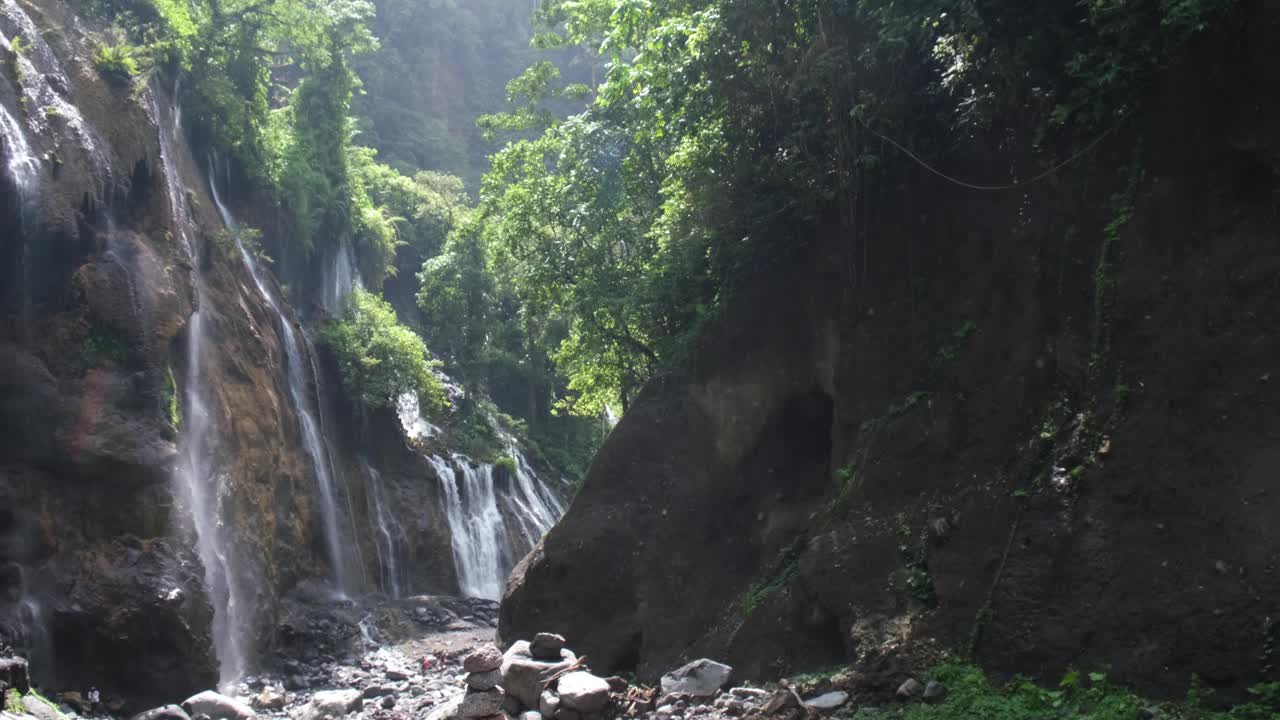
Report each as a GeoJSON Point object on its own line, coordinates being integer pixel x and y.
{"type": "Point", "coordinates": [13, 702]}
{"type": "Point", "coordinates": [235, 56]}
{"type": "Point", "coordinates": [228, 242]}
{"type": "Point", "coordinates": [722, 130]}
{"type": "Point", "coordinates": [1077, 697]}
{"type": "Point", "coordinates": [117, 61]}
{"type": "Point", "coordinates": [457, 296]}
{"type": "Point", "coordinates": [378, 357]}
{"type": "Point", "coordinates": [170, 400]}
{"type": "Point", "coordinates": [507, 463]}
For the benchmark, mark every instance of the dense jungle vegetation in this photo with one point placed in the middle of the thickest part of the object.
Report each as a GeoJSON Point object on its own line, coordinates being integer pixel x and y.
{"type": "Point", "coordinates": [653, 149]}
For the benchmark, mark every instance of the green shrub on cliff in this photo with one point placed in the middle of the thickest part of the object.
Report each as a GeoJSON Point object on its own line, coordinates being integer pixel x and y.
{"type": "Point", "coordinates": [117, 61]}
{"type": "Point", "coordinates": [508, 463]}
{"type": "Point", "coordinates": [378, 357]}
{"type": "Point", "coordinates": [170, 401]}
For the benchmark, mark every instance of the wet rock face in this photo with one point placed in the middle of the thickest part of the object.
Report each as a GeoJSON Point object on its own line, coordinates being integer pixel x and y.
{"type": "Point", "coordinates": [156, 633]}
{"type": "Point", "coordinates": [97, 295]}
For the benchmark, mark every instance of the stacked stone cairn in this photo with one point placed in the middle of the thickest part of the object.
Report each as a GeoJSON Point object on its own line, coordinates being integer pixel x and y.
{"type": "Point", "coordinates": [538, 680]}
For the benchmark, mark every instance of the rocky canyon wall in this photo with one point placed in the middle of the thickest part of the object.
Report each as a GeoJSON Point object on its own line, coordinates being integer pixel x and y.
{"type": "Point", "coordinates": [1033, 426]}
{"type": "Point", "coordinates": [176, 454]}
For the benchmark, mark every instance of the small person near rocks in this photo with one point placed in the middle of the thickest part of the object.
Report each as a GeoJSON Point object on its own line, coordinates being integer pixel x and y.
{"type": "Point", "coordinates": [95, 701]}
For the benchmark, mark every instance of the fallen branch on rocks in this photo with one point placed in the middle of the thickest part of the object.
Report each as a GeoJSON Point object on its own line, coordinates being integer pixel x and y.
{"type": "Point", "coordinates": [638, 698]}
{"type": "Point", "coordinates": [579, 664]}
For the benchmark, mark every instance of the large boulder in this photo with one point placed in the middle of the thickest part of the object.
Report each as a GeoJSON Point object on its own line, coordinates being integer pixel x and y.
{"type": "Point", "coordinates": [583, 692]}
{"type": "Point", "coordinates": [827, 701]}
{"type": "Point", "coordinates": [718, 484]}
{"type": "Point", "coordinates": [40, 708]}
{"type": "Point", "coordinates": [14, 674]}
{"type": "Point", "coordinates": [329, 703]}
{"type": "Point", "coordinates": [524, 676]}
{"type": "Point", "coordinates": [217, 706]}
{"type": "Point", "coordinates": [167, 712]}
{"type": "Point", "coordinates": [700, 678]}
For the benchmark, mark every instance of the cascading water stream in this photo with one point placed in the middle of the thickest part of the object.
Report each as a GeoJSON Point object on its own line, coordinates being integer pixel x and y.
{"type": "Point", "coordinates": [390, 539]}
{"type": "Point", "coordinates": [328, 446]}
{"type": "Point", "coordinates": [28, 629]}
{"type": "Point", "coordinates": [22, 167]}
{"type": "Point", "coordinates": [196, 479]}
{"type": "Point", "coordinates": [21, 164]}
{"type": "Point", "coordinates": [409, 411]}
{"type": "Point", "coordinates": [535, 508]}
{"type": "Point", "coordinates": [481, 545]}
{"type": "Point", "coordinates": [312, 434]}
{"type": "Point", "coordinates": [341, 278]}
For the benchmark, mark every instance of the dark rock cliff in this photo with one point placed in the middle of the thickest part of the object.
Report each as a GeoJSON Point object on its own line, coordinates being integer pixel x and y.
{"type": "Point", "coordinates": [115, 256]}
{"type": "Point", "coordinates": [100, 579]}
{"type": "Point", "coordinates": [90, 367]}
{"type": "Point", "coordinates": [1035, 425]}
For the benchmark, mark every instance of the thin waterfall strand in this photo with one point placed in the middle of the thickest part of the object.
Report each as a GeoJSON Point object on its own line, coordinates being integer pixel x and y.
{"type": "Point", "coordinates": [312, 438]}
{"type": "Point", "coordinates": [195, 478]}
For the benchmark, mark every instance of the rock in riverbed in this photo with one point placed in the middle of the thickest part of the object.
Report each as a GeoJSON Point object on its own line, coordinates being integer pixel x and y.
{"type": "Point", "coordinates": [700, 678]}
{"type": "Point", "coordinates": [583, 692]}
{"type": "Point", "coordinates": [217, 706]}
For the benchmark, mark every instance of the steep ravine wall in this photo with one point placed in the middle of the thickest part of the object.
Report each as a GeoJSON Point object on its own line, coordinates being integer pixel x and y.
{"type": "Point", "coordinates": [113, 243]}
{"type": "Point", "coordinates": [975, 424]}
{"type": "Point", "coordinates": [90, 530]}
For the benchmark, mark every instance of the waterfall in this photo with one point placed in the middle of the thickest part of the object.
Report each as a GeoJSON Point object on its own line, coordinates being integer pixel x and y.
{"type": "Point", "coordinates": [415, 426]}
{"type": "Point", "coordinates": [33, 628]}
{"type": "Point", "coordinates": [390, 538]}
{"type": "Point", "coordinates": [481, 545]}
{"type": "Point", "coordinates": [23, 169]}
{"type": "Point", "coordinates": [22, 166]}
{"type": "Point", "coordinates": [538, 508]}
{"type": "Point", "coordinates": [199, 489]}
{"type": "Point", "coordinates": [198, 484]}
{"type": "Point", "coordinates": [313, 440]}
{"type": "Point", "coordinates": [43, 84]}
{"type": "Point", "coordinates": [340, 277]}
